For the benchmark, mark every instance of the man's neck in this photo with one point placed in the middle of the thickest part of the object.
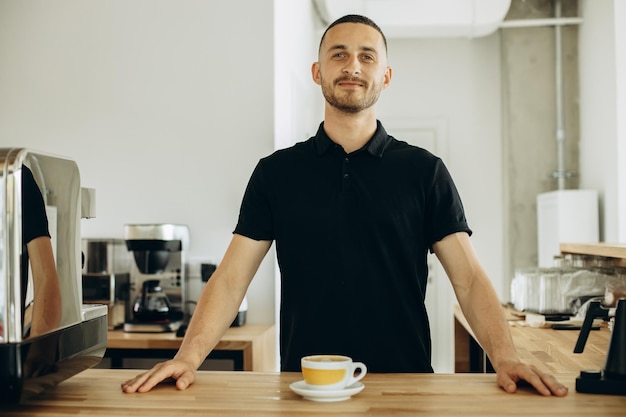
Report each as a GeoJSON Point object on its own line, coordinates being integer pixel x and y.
{"type": "Point", "coordinates": [350, 130]}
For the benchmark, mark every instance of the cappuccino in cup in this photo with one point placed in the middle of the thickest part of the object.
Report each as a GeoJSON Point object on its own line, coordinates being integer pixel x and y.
{"type": "Point", "coordinates": [331, 372]}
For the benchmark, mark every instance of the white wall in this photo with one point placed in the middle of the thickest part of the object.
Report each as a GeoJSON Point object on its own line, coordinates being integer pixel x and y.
{"type": "Point", "coordinates": [165, 105]}
{"type": "Point", "coordinates": [620, 71]}
{"type": "Point", "coordinates": [602, 63]}
{"type": "Point", "coordinates": [298, 101]}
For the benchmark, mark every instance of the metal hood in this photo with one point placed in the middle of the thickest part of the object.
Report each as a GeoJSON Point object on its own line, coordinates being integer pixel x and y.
{"type": "Point", "coordinates": [422, 18]}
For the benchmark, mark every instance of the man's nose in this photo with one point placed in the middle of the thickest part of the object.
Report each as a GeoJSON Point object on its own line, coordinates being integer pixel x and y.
{"type": "Point", "coordinates": [352, 66]}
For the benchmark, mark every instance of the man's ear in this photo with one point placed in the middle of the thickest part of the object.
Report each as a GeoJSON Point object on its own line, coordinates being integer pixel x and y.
{"type": "Point", "coordinates": [315, 73]}
{"type": "Point", "coordinates": [387, 78]}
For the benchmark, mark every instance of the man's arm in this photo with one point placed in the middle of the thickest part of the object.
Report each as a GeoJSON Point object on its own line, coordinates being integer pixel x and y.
{"type": "Point", "coordinates": [47, 289]}
{"type": "Point", "coordinates": [216, 309]}
{"type": "Point", "coordinates": [481, 307]}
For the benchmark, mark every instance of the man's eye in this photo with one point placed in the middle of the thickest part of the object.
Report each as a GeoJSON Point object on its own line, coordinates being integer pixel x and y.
{"type": "Point", "coordinates": [339, 55]}
{"type": "Point", "coordinates": [367, 58]}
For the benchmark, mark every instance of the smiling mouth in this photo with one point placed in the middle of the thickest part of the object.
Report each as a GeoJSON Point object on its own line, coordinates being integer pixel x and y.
{"type": "Point", "coordinates": [350, 82]}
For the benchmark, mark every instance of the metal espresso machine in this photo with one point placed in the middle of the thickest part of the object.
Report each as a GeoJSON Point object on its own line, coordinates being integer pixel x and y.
{"type": "Point", "coordinates": [106, 277]}
{"type": "Point", "coordinates": [157, 277]}
{"type": "Point", "coordinates": [46, 334]}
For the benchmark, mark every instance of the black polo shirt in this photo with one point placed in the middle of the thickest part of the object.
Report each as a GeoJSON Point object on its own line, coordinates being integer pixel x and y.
{"type": "Point", "coordinates": [352, 233]}
{"type": "Point", "coordinates": [34, 225]}
{"type": "Point", "coordinates": [34, 218]}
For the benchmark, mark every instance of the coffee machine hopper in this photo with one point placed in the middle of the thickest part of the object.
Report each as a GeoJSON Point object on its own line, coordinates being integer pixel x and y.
{"type": "Point", "coordinates": [612, 379]}
{"type": "Point", "coordinates": [157, 274]}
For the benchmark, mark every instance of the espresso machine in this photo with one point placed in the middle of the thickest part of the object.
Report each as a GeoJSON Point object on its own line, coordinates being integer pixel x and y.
{"type": "Point", "coordinates": [46, 334]}
{"type": "Point", "coordinates": [157, 276]}
{"type": "Point", "coordinates": [106, 277]}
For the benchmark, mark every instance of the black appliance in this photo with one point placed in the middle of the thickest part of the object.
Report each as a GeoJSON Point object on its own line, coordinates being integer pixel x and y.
{"type": "Point", "coordinates": [611, 379]}
{"type": "Point", "coordinates": [159, 253]}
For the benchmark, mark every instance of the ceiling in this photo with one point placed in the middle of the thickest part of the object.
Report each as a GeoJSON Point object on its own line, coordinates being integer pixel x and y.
{"type": "Point", "coordinates": [422, 18]}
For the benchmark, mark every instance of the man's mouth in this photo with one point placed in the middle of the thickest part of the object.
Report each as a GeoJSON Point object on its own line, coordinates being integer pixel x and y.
{"type": "Point", "coordinates": [350, 82]}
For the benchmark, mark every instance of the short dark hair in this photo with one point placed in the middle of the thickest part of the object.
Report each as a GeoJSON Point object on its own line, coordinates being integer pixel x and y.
{"type": "Point", "coordinates": [355, 18]}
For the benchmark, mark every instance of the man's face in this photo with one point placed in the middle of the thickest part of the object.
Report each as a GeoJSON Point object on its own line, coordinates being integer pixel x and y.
{"type": "Point", "coordinates": [352, 67]}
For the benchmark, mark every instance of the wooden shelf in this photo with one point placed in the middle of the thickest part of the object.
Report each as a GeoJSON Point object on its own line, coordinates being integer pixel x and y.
{"type": "Point", "coordinates": [609, 250]}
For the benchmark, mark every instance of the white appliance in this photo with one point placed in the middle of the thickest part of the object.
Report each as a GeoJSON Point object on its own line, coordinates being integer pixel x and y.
{"type": "Point", "coordinates": [565, 216]}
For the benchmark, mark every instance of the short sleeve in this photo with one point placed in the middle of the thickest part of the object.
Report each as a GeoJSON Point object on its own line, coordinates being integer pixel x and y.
{"type": "Point", "coordinates": [255, 215]}
{"type": "Point", "coordinates": [34, 219]}
{"type": "Point", "coordinates": [445, 213]}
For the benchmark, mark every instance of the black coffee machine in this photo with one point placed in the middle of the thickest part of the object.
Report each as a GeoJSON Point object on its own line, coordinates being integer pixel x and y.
{"type": "Point", "coordinates": [611, 379]}
{"type": "Point", "coordinates": [157, 277]}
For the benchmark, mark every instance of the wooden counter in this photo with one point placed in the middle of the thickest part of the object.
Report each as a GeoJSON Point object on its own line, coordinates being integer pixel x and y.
{"type": "Point", "coordinates": [97, 392]}
{"type": "Point", "coordinates": [256, 344]}
{"type": "Point", "coordinates": [548, 349]}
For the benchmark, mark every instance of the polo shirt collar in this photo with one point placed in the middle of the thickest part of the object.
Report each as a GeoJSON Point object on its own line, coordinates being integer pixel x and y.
{"type": "Point", "coordinates": [375, 146]}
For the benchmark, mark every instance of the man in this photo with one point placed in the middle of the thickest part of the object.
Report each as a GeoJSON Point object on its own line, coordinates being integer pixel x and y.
{"type": "Point", "coordinates": [45, 305]}
{"type": "Point", "coordinates": [353, 212]}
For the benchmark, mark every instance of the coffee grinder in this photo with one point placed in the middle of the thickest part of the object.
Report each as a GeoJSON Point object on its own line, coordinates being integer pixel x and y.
{"type": "Point", "coordinates": [157, 276]}
{"type": "Point", "coordinates": [612, 379]}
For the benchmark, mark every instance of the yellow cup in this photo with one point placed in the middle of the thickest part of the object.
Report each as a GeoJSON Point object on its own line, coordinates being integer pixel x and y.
{"type": "Point", "coordinates": [331, 372]}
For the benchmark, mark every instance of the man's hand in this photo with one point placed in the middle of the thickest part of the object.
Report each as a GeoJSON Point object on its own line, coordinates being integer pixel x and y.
{"type": "Point", "coordinates": [512, 372]}
{"type": "Point", "coordinates": [181, 371]}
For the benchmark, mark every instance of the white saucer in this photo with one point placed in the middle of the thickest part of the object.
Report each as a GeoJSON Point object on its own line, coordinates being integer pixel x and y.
{"type": "Point", "coordinates": [301, 388]}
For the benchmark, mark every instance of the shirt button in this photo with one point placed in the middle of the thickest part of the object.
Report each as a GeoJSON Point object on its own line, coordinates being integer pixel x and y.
{"type": "Point", "coordinates": [347, 160]}
{"type": "Point", "coordinates": [346, 176]}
